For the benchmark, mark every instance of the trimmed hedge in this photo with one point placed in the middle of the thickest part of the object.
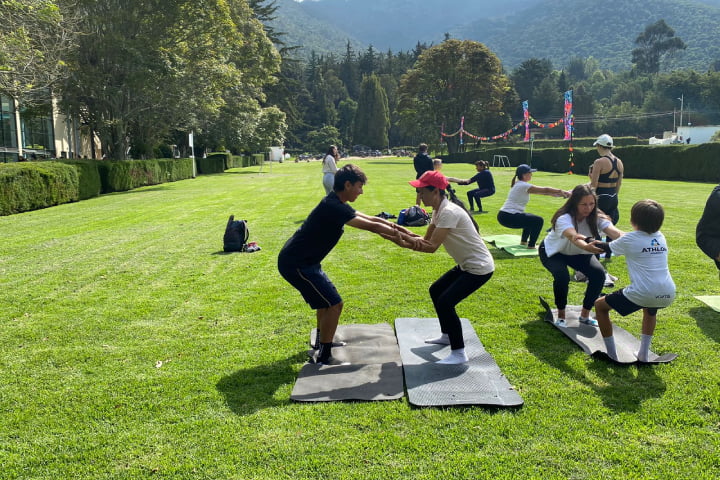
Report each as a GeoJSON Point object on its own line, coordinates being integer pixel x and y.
{"type": "Point", "coordinates": [123, 175]}
{"type": "Point", "coordinates": [700, 163]}
{"type": "Point", "coordinates": [33, 185]}
{"type": "Point", "coordinates": [213, 163]}
{"type": "Point", "coordinates": [88, 177]}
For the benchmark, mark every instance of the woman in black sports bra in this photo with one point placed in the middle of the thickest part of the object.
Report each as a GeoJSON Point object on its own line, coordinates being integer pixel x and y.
{"type": "Point", "coordinates": [606, 177]}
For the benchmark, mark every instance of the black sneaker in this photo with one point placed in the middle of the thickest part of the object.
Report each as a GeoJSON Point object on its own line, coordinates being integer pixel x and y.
{"type": "Point", "coordinates": [330, 361]}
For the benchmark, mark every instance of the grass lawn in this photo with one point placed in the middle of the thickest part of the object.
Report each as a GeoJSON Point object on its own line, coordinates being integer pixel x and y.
{"type": "Point", "coordinates": [131, 347]}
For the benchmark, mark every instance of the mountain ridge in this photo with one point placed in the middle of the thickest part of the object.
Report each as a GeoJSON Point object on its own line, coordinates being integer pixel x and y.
{"type": "Point", "coordinates": [515, 30]}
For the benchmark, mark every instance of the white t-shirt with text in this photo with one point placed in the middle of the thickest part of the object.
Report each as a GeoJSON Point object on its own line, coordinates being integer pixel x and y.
{"type": "Point", "coordinates": [646, 255]}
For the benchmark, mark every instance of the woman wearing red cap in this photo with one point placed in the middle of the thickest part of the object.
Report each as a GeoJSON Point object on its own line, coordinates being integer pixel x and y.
{"type": "Point", "coordinates": [513, 215]}
{"type": "Point", "coordinates": [453, 227]}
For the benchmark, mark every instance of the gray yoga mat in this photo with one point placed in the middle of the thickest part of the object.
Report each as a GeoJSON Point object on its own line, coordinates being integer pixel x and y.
{"type": "Point", "coordinates": [478, 382]}
{"type": "Point", "coordinates": [373, 372]}
{"type": "Point", "coordinates": [590, 340]}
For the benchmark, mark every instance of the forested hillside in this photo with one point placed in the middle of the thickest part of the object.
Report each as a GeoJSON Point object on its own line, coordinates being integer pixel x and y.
{"type": "Point", "coordinates": [559, 31]}
{"type": "Point", "coordinates": [515, 30]}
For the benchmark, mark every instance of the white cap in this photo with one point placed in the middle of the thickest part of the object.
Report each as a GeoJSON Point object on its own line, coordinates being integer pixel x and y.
{"type": "Point", "coordinates": [604, 140]}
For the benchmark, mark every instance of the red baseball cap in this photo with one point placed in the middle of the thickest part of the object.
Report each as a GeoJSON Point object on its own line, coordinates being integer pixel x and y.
{"type": "Point", "coordinates": [431, 178]}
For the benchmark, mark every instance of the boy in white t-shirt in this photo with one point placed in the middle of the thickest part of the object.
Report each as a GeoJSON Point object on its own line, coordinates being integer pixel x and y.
{"type": "Point", "coordinates": [651, 286]}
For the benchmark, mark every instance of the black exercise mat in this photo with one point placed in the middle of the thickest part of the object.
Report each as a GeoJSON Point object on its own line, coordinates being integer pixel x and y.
{"type": "Point", "coordinates": [591, 341]}
{"type": "Point", "coordinates": [477, 382]}
{"type": "Point", "coordinates": [374, 371]}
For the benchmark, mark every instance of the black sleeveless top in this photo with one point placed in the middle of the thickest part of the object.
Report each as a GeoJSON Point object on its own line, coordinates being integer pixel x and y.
{"type": "Point", "coordinates": [605, 177]}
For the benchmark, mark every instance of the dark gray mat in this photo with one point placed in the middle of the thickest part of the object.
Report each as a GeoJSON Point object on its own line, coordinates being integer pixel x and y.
{"type": "Point", "coordinates": [478, 382]}
{"type": "Point", "coordinates": [374, 371]}
{"type": "Point", "coordinates": [590, 340]}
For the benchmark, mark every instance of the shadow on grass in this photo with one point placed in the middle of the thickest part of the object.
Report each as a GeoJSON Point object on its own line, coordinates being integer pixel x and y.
{"type": "Point", "coordinates": [155, 188]}
{"type": "Point", "coordinates": [708, 320]}
{"type": "Point", "coordinates": [249, 390]}
{"type": "Point", "coordinates": [621, 388]}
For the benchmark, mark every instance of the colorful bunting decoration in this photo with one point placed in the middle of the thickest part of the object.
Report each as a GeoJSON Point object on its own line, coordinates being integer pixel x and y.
{"type": "Point", "coordinates": [568, 115]}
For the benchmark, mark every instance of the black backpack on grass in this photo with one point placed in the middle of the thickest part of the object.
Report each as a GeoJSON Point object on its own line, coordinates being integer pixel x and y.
{"type": "Point", "coordinates": [236, 235]}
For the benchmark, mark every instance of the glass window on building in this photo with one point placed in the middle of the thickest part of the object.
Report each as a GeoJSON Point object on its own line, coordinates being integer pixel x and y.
{"type": "Point", "coordinates": [37, 132]}
{"type": "Point", "coordinates": [8, 135]}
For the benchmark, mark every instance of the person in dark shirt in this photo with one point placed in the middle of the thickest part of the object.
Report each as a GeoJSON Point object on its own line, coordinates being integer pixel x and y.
{"type": "Point", "coordinates": [299, 260]}
{"type": "Point", "coordinates": [707, 232]}
{"type": "Point", "coordinates": [422, 163]}
{"type": "Point", "coordinates": [485, 183]}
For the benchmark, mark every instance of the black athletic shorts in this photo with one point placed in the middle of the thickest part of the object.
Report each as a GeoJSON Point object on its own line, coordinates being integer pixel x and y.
{"type": "Point", "coordinates": [619, 302]}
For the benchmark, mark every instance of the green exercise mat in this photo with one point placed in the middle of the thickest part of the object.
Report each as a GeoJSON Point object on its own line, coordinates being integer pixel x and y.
{"type": "Point", "coordinates": [511, 244]}
{"type": "Point", "coordinates": [712, 301]}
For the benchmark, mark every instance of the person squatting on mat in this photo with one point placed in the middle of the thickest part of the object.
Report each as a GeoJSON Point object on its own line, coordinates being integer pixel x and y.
{"type": "Point", "coordinates": [651, 286]}
{"type": "Point", "coordinates": [571, 243]}
{"type": "Point", "coordinates": [707, 232]}
{"type": "Point", "coordinates": [485, 183]}
{"type": "Point", "coordinates": [512, 214]}
{"type": "Point", "coordinates": [299, 260]}
{"type": "Point", "coordinates": [606, 174]}
{"type": "Point", "coordinates": [453, 227]}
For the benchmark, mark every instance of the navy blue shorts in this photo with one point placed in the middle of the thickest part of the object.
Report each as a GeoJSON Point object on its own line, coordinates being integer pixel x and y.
{"type": "Point", "coordinates": [619, 302]}
{"type": "Point", "coordinates": [313, 284]}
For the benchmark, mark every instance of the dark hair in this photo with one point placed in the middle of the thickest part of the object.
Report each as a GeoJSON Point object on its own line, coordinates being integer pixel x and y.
{"type": "Point", "coordinates": [330, 150]}
{"type": "Point", "coordinates": [453, 198]}
{"type": "Point", "coordinates": [485, 164]}
{"type": "Point", "coordinates": [647, 215]}
{"type": "Point", "coordinates": [348, 173]}
{"type": "Point", "coordinates": [570, 206]}
{"type": "Point", "coordinates": [423, 147]}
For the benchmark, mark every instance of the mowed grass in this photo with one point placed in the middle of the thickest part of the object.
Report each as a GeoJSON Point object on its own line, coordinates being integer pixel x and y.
{"type": "Point", "coordinates": [131, 347]}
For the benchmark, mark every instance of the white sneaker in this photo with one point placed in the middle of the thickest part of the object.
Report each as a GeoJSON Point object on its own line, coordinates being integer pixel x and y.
{"type": "Point", "coordinates": [609, 280]}
{"type": "Point", "coordinates": [560, 322]}
{"type": "Point", "coordinates": [579, 277]}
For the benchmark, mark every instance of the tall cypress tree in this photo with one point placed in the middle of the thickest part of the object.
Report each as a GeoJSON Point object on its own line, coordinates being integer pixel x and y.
{"type": "Point", "coordinates": [372, 120]}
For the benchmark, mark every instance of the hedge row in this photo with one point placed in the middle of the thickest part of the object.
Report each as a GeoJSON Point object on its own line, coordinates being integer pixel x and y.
{"type": "Point", "coordinates": [699, 163]}
{"type": "Point", "coordinates": [31, 185]}
{"type": "Point", "coordinates": [34, 185]}
{"type": "Point", "coordinates": [219, 162]}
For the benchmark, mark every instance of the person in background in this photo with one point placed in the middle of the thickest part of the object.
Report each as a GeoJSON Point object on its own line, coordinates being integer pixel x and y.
{"type": "Point", "coordinates": [571, 243]}
{"type": "Point", "coordinates": [453, 227]}
{"type": "Point", "coordinates": [485, 185]}
{"type": "Point", "coordinates": [512, 214]}
{"type": "Point", "coordinates": [299, 261]}
{"type": "Point", "coordinates": [707, 232]}
{"type": "Point", "coordinates": [606, 174]}
{"type": "Point", "coordinates": [329, 168]}
{"type": "Point", "coordinates": [422, 163]}
{"type": "Point", "coordinates": [651, 286]}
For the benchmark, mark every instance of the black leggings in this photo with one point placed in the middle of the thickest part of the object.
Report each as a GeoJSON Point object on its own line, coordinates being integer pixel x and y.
{"type": "Point", "coordinates": [477, 194]}
{"type": "Point", "coordinates": [449, 290]}
{"type": "Point", "coordinates": [608, 203]}
{"type": "Point", "coordinates": [558, 265]}
{"type": "Point", "coordinates": [531, 225]}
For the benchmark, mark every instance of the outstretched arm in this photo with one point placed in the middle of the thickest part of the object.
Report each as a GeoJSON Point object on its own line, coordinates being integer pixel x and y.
{"type": "Point", "coordinates": [550, 191]}
{"type": "Point", "coordinates": [580, 241]}
{"type": "Point", "coordinates": [381, 221]}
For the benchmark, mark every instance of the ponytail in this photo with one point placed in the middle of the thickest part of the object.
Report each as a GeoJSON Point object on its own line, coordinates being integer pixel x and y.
{"type": "Point", "coordinates": [453, 198]}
